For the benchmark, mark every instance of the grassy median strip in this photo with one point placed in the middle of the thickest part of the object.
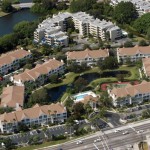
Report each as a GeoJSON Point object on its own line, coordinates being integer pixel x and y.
{"type": "Point", "coordinates": [45, 144]}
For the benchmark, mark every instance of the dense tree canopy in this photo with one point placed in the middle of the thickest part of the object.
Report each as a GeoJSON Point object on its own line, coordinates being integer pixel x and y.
{"type": "Point", "coordinates": [25, 29]}
{"type": "Point", "coordinates": [108, 63]}
{"type": "Point", "coordinates": [7, 42]}
{"type": "Point", "coordinates": [142, 43]}
{"type": "Point", "coordinates": [78, 110]}
{"type": "Point", "coordinates": [6, 6]}
{"type": "Point", "coordinates": [148, 34]}
{"type": "Point", "coordinates": [125, 13]}
{"type": "Point", "coordinates": [142, 24]}
{"type": "Point", "coordinates": [40, 97]}
{"type": "Point", "coordinates": [84, 5]}
{"type": "Point", "coordinates": [22, 35]}
{"type": "Point", "coordinates": [80, 84]}
{"type": "Point", "coordinates": [43, 6]}
{"type": "Point", "coordinates": [128, 44]}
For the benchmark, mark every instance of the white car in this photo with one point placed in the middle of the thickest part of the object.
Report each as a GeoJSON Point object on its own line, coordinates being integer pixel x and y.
{"type": "Point", "coordinates": [125, 132]}
{"type": "Point", "coordinates": [117, 130]}
{"type": "Point", "coordinates": [79, 142]}
{"type": "Point", "coordinates": [97, 140]}
{"type": "Point", "coordinates": [140, 131]}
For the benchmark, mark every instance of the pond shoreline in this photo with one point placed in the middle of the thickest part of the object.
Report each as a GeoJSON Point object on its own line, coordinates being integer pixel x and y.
{"type": "Point", "coordinates": [6, 14]}
{"type": "Point", "coordinates": [8, 21]}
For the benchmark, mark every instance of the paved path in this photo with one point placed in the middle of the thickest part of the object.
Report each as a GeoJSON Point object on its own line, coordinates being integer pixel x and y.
{"type": "Point", "coordinates": [23, 5]}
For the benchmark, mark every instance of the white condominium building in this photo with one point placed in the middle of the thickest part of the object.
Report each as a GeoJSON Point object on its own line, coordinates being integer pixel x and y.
{"type": "Point", "coordinates": [11, 60]}
{"type": "Point", "coordinates": [87, 25]}
{"type": "Point", "coordinates": [52, 30]}
{"type": "Point", "coordinates": [37, 115]}
{"type": "Point", "coordinates": [87, 56]}
{"type": "Point", "coordinates": [131, 94]}
{"type": "Point", "coordinates": [40, 73]}
{"type": "Point", "coordinates": [133, 53]}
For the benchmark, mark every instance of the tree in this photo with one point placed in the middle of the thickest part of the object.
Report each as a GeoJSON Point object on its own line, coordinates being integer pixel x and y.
{"type": "Point", "coordinates": [130, 35]}
{"type": "Point", "coordinates": [25, 29]}
{"type": "Point", "coordinates": [105, 100]}
{"type": "Point", "coordinates": [69, 102]}
{"type": "Point", "coordinates": [142, 43]}
{"type": "Point", "coordinates": [41, 97]}
{"type": "Point", "coordinates": [8, 144]}
{"type": "Point", "coordinates": [74, 67]}
{"type": "Point", "coordinates": [27, 66]}
{"type": "Point", "coordinates": [79, 84]}
{"type": "Point", "coordinates": [146, 114]}
{"type": "Point", "coordinates": [125, 13]}
{"type": "Point", "coordinates": [22, 127]}
{"type": "Point", "coordinates": [128, 61]}
{"type": "Point", "coordinates": [8, 42]}
{"type": "Point", "coordinates": [148, 34]}
{"type": "Point", "coordinates": [84, 5]}
{"type": "Point", "coordinates": [61, 6]}
{"type": "Point", "coordinates": [35, 139]}
{"type": "Point", "coordinates": [46, 50]}
{"type": "Point", "coordinates": [142, 24]}
{"type": "Point", "coordinates": [6, 6]}
{"type": "Point", "coordinates": [120, 77]}
{"type": "Point", "coordinates": [108, 63]}
{"type": "Point", "coordinates": [54, 78]}
{"type": "Point", "coordinates": [78, 110]}
{"type": "Point", "coordinates": [128, 44]}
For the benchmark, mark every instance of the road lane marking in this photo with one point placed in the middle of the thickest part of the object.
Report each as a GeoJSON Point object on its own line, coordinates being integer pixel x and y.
{"type": "Point", "coordinates": [96, 146]}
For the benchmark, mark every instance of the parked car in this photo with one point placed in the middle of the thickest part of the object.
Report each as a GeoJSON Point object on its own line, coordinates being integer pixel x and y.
{"type": "Point", "coordinates": [125, 132]}
{"type": "Point", "coordinates": [79, 142]}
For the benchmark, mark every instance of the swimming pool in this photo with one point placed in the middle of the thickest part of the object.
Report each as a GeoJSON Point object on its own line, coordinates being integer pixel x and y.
{"type": "Point", "coordinates": [80, 96]}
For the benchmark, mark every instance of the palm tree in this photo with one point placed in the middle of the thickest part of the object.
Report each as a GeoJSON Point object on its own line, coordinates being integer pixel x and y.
{"type": "Point", "coordinates": [55, 111]}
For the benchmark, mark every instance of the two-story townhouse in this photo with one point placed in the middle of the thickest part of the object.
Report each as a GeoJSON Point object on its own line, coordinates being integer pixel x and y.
{"type": "Point", "coordinates": [37, 115]}
{"type": "Point", "coordinates": [12, 96]}
{"type": "Point", "coordinates": [131, 94]}
{"type": "Point", "coordinates": [133, 53]}
{"type": "Point", "coordinates": [40, 73]}
{"type": "Point", "coordinates": [11, 60]}
{"type": "Point", "coordinates": [87, 56]}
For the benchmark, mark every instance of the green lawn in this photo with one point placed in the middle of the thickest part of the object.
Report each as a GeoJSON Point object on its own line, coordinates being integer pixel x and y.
{"type": "Point", "coordinates": [70, 78]}
{"type": "Point", "coordinates": [134, 76]}
{"type": "Point", "coordinates": [32, 147]}
{"type": "Point", "coordinates": [2, 13]}
{"type": "Point", "coordinates": [133, 70]}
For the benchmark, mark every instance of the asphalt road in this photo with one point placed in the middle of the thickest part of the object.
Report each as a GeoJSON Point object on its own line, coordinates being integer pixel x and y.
{"type": "Point", "coordinates": [109, 139]}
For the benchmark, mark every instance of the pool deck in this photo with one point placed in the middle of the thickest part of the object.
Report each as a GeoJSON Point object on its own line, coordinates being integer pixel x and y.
{"type": "Point", "coordinates": [75, 96]}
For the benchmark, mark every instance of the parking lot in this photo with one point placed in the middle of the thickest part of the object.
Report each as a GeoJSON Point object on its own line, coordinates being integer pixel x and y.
{"type": "Point", "coordinates": [24, 137]}
{"type": "Point", "coordinates": [138, 108]}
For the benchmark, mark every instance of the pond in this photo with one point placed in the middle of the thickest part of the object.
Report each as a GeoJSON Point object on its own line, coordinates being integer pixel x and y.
{"type": "Point", "coordinates": [114, 73]}
{"type": "Point", "coordinates": [8, 22]}
{"type": "Point", "coordinates": [57, 92]}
